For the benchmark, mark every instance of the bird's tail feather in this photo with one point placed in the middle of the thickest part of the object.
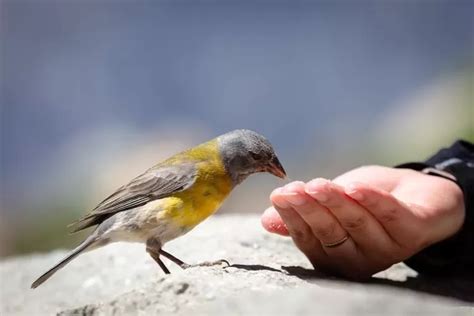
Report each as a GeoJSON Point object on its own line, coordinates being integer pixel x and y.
{"type": "Point", "coordinates": [73, 254]}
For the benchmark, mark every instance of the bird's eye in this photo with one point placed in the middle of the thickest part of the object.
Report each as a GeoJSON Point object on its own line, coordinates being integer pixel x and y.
{"type": "Point", "coordinates": [255, 156]}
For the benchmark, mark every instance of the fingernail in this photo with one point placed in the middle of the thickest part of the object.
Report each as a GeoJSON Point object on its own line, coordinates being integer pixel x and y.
{"type": "Point", "coordinates": [280, 203]}
{"type": "Point", "coordinates": [295, 199]}
{"type": "Point", "coordinates": [316, 188]}
{"type": "Point", "coordinates": [318, 195]}
{"type": "Point", "coordinates": [353, 192]}
{"type": "Point", "coordinates": [278, 200]}
{"type": "Point", "coordinates": [292, 194]}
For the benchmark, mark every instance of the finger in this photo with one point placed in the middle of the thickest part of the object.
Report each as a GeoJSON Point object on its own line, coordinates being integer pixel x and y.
{"type": "Point", "coordinates": [342, 254]}
{"type": "Point", "coordinates": [297, 228]}
{"type": "Point", "coordinates": [321, 222]}
{"type": "Point", "coordinates": [394, 215]}
{"type": "Point", "coordinates": [273, 223]}
{"type": "Point", "coordinates": [367, 233]}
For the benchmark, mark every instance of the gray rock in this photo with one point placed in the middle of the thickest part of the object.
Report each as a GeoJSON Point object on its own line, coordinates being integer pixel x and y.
{"type": "Point", "coordinates": [267, 276]}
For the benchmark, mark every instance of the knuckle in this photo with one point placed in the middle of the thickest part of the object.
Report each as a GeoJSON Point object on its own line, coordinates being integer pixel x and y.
{"type": "Point", "coordinates": [370, 202]}
{"type": "Point", "coordinates": [354, 223]}
{"type": "Point", "coordinates": [326, 230]}
{"type": "Point", "coordinates": [389, 215]}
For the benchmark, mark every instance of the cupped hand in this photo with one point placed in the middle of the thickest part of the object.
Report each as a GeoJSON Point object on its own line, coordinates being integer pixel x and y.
{"type": "Point", "coordinates": [367, 219]}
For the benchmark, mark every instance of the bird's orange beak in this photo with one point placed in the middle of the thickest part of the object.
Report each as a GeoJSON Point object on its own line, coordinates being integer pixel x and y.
{"type": "Point", "coordinates": [276, 168]}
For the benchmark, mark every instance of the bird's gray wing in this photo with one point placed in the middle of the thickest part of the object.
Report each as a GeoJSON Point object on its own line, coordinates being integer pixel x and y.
{"type": "Point", "coordinates": [156, 183]}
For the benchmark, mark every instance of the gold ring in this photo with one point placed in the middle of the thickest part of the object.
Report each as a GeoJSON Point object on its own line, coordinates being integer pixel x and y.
{"type": "Point", "coordinates": [336, 243]}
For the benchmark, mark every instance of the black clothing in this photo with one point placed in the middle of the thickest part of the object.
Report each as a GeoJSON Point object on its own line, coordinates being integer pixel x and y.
{"type": "Point", "coordinates": [454, 255]}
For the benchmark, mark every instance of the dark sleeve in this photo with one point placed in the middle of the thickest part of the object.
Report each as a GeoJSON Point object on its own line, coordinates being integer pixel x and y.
{"type": "Point", "coordinates": [455, 254]}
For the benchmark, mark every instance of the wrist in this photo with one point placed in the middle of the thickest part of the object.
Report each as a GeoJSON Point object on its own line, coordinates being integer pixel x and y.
{"type": "Point", "coordinates": [435, 198]}
{"type": "Point", "coordinates": [450, 211]}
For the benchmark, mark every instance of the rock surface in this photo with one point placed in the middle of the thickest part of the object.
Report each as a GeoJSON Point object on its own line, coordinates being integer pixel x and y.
{"type": "Point", "coordinates": [268, 276]}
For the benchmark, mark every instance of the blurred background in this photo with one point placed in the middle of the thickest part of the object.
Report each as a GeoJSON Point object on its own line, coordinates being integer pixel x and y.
{"type": "Point", "coordinates": [95, 92]}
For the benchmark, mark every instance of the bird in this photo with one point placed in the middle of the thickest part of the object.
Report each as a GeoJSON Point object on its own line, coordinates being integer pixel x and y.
{"type": "Point", "coordinates": [172, 197]}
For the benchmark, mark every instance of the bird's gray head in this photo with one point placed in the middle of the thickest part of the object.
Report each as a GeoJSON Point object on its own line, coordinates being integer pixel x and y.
{"type": "Point", "coordinates": [245, 152]}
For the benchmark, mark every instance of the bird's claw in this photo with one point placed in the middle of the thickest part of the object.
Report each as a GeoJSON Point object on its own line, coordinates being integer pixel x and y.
{"type": "Point", "coordinates": [206, 264]}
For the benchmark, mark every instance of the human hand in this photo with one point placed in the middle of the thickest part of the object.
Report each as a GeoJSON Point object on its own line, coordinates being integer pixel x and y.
{"type": "Point", "coordinates": [387, 214]}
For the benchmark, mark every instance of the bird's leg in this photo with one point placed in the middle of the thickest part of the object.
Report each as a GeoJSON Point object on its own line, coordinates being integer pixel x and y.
{"type": "Point", "coordinates": [184, 265]}
{"type": "Point", "coordinates": [153, 248]}
{"type": "Point", "coordinates": [179, 262]}
{"type": "Point", "coordinates": [160, 263]}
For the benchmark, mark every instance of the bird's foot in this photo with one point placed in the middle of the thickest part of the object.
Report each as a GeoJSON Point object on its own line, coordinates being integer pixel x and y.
{"type": "Point", "coordinates": [205, 264]}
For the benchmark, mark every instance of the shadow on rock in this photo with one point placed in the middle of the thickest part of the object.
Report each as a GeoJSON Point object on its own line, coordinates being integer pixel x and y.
{"type": "Point", "coordinates": [453, 287]}
{"type": "Point", "coordinates": [307, 274]}
{"type": "Point", "coordinates": [253, 267]}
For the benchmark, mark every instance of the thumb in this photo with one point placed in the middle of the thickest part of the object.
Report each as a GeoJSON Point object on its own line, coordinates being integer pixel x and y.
{"type": "Point", "coordinates": [273, 223]}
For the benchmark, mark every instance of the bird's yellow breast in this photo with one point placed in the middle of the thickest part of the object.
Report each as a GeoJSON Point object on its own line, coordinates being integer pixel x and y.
{"type": "Point", "coordinates": [188, 208]}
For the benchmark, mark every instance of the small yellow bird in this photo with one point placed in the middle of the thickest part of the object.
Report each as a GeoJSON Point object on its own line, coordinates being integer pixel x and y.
{"type": "Point", "coordinates": [171, 198]}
